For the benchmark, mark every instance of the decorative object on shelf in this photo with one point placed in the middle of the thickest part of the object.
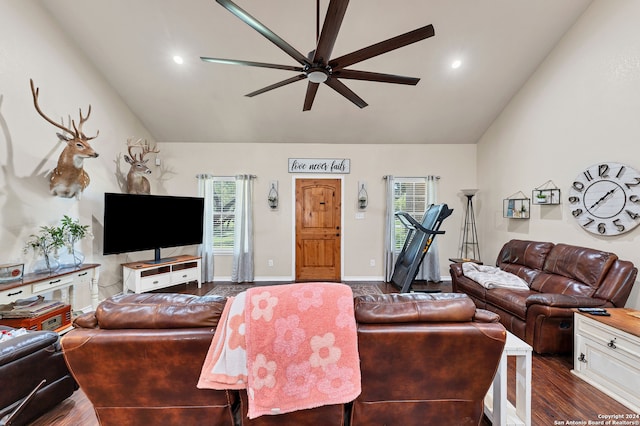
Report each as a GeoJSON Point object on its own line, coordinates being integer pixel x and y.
{"type": "Point", "coordinates": [272, 198]}
{"type": "Point", "coordinates": [11, 272]}
{"type": "Point", "coordinates": [547, 193]}
{"type": "Point", "coordinates": [69, 179]}
{"type": "Point", "coordinates": [44, 246]}
{"type": "Point", "coordinates": [363, 196]}
{"type": "Point", "coordinates": [47, 243]}
{"type": "Point", "coordinates": [605, 199]}
{"type": "Point", "coordinates": [136, 182]}
{"type": "Point", "coordinates": [469, 248]}
{"type": "Point", "coordinates": [73, 232]}
{"type": "Point", "coordinates": [516, 206]}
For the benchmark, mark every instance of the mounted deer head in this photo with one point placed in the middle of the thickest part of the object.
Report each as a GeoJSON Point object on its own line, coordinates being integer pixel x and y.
{"type": "Point", "coordinates": [69, 179]}
{"type": "Point", "coordinates": [136, 182]}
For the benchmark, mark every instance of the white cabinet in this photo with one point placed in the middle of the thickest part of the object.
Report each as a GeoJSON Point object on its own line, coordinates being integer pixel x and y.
{"type": "Point", "coordinates": [140, 277]}
{"type": "Point", "coordinates": [607, 354]}
{"type": "Point", "coordinates": [63, 281]}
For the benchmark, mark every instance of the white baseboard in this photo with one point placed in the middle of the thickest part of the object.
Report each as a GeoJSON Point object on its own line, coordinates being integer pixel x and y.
{"type": "Point", "coordinates": [290, 279]}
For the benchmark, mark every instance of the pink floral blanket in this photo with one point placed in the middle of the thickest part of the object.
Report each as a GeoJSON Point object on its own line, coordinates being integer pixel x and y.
{"type": "Point", "coordinates": [291, 346]}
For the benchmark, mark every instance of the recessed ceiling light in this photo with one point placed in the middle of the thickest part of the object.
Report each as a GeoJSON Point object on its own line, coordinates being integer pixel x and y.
{"type": "Point", "coordinates": [178, 60]}
{"type": "Point", "coordinates": [456, 64]}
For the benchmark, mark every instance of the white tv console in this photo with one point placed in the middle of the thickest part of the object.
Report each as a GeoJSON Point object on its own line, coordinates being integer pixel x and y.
{"type": "Point", "coordinates": [143, 276]}
{"type": "Point", "coordinates": [63, 281]}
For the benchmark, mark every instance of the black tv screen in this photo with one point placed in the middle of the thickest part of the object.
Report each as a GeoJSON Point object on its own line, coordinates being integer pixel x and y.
{"type": "Point", "coordinates": [134, 222]}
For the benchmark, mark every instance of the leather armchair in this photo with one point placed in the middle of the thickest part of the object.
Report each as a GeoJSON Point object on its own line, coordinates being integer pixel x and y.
{"type": "Point", "coordinates": [139, 356]}
{"type": "Point", "coordinates": [24, 362]}
{"type": "Point", "coordinates": [425, 359]}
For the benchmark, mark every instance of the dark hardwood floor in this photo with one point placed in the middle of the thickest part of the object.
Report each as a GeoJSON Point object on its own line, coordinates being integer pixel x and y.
{"type": "Point", "coordinates": [558, 397]}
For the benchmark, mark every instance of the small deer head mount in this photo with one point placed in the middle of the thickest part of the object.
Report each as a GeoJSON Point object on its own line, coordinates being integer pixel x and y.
{"type": "Point", "coordinates": [69, 179]}
{"type": "Point", "coordinates": [136, 182]}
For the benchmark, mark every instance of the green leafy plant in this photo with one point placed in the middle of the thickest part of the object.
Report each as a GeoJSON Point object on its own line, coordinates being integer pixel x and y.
{"type": "Point", "coordinates": [46, 243]}
{"type": "Point", "coordinates": [72, 231]}
{"type": "Point", "coordinates": [50, 239]}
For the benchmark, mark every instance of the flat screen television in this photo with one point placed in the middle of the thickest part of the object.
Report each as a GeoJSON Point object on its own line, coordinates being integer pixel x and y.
{"type": "Point", "coordinates": [134, 222]}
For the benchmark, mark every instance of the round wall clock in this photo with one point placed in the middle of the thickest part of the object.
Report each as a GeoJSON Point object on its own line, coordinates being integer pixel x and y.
{"type": "Point", "coordinates": [605, 199]}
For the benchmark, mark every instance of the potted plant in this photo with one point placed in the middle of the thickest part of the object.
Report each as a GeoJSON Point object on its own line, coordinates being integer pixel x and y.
{"type": "Point", "coordinates": [541, 197]}
{"type": "Point", "coordinates": [45, 246]}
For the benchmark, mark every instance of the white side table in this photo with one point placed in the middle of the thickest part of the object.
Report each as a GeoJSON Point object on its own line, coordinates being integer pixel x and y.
{"type": "Point", "coordinates": [496, 406]}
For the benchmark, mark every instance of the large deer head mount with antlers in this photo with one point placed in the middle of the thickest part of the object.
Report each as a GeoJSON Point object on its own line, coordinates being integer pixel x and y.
{"type": "Point", "coordinates": [69, 179]}
{"type": "Point", "coordinates": [137, 183]}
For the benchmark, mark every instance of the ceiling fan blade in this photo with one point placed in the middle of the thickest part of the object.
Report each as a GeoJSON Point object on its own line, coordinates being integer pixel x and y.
{"type": "Point", "coordinates": [262, 29]}
{"type": "Point", "coordinates": [276, 85]}
{"type": "Point", "coordinates": [250, 64]}
{"type": "Point", "coordinates": [330, 28]}
{"type": "Point", "coordinates": [374, 76]}
{"type": "Point", "coordinates": [312, 89]}
{"type": "Point", "coordinates": [339, 87]}
{"type": "Point", "coordinates": [382, 47]}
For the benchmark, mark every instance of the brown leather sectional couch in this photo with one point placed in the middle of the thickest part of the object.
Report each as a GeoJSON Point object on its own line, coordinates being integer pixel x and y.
{"type": "Point", "coordinates": [425, 359]}
{"type": "Point", "coordinates": [561, 278]}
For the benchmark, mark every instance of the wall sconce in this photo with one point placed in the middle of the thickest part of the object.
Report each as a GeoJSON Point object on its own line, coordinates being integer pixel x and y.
{"type": "Point", "coordinates": [363, 197]}
{"type": "Point", "coordinates": [272, 198]}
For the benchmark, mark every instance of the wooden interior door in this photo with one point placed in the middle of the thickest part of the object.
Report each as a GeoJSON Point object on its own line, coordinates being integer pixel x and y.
{"type": "Point", "coordinates": [318, 215]}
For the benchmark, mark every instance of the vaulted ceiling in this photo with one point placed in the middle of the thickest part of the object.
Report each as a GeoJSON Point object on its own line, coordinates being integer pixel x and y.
{"type": "Point", "coordinates": [500, 43]}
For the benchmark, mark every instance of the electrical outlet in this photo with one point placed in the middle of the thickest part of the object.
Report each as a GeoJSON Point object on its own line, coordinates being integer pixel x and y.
{"type": "Point", "coordinates": [372, 262]}
{"type": "Point", "coordinates": [270, 262]}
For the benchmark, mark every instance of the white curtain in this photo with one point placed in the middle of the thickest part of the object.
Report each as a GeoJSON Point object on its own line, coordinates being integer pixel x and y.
{"type": "Point", "coordinates": [389, 230]}
{"type": "Point", "coordinates": [242, 270]}
{"type": "Point", "coordinates": [205, 190]}
{"type": "Point", "coordinates": [430, 267]}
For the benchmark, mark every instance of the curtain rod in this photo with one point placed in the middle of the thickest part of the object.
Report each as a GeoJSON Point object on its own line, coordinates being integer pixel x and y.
{"type": "Point", "coordinates": [412, 177]}
{"type": "Point", "coordinates": [209, 175]}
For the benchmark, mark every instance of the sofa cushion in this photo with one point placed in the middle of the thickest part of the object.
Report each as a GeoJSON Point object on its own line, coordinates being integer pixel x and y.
{"type": "Point", "coordinates": [414, 307]}
{"type": "Point", "coordinates": [159, 311]}
{"type": "Point", "coordinates": [582, 264]}
{"type": "Point", "coordinates": [558, 284]}
{"type": "Point", "coordinates": [510, 300]}
{"type": "Point", "coordinates": [531, 254]}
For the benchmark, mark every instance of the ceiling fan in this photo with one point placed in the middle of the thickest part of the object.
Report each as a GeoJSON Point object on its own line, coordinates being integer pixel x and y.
{"type": "Point", "coordinates": [319, 67]}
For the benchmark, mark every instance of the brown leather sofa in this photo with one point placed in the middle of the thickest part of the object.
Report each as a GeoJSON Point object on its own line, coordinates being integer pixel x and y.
{"type": "Point", "coordinates": [425, 359]}
{"type": "Point", "coordinates": [24, 362]}
{"type": "Point", "coordinates": [561, 278]}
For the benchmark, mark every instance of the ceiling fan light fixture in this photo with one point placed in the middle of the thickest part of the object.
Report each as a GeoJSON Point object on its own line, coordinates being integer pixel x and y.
{"type": "Point", "coordinates": [318, 76]}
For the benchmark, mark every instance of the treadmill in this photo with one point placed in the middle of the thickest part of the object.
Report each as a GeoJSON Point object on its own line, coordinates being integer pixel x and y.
{"type": "Point", "coordinates": [419, 239]}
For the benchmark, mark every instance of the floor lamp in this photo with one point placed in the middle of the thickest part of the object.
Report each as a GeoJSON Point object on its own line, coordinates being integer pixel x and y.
{"type": "Point", "coordinates": [469, 248]}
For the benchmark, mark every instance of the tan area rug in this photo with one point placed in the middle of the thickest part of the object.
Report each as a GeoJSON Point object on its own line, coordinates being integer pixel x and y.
{"type": "Point", "coordinates": [226, 290]}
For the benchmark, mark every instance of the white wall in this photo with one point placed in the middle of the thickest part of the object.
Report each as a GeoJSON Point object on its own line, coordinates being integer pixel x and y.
{"type": "Point", "coordinates": [32, 46]}
{"type": "Point", "coordinates": [581, 107]}
{"type": "Point", "coordinates": [363, 238]}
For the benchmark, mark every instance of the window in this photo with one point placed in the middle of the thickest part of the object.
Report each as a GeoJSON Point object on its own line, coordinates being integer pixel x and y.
{"type": "Point", "coordinates": [224, 213]}
{"type": "Point", "coordinates": [410, 196]}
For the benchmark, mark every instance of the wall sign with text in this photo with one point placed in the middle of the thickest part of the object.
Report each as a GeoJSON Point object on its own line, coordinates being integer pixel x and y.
{"type": "Point", "coordinates": [319, 165]}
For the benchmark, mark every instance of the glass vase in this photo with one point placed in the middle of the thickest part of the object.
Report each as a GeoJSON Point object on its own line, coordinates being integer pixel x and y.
{"type": "Point", "coordinates": [71, 258]}
{"type": "Point", "coordinates": [46, 263]}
